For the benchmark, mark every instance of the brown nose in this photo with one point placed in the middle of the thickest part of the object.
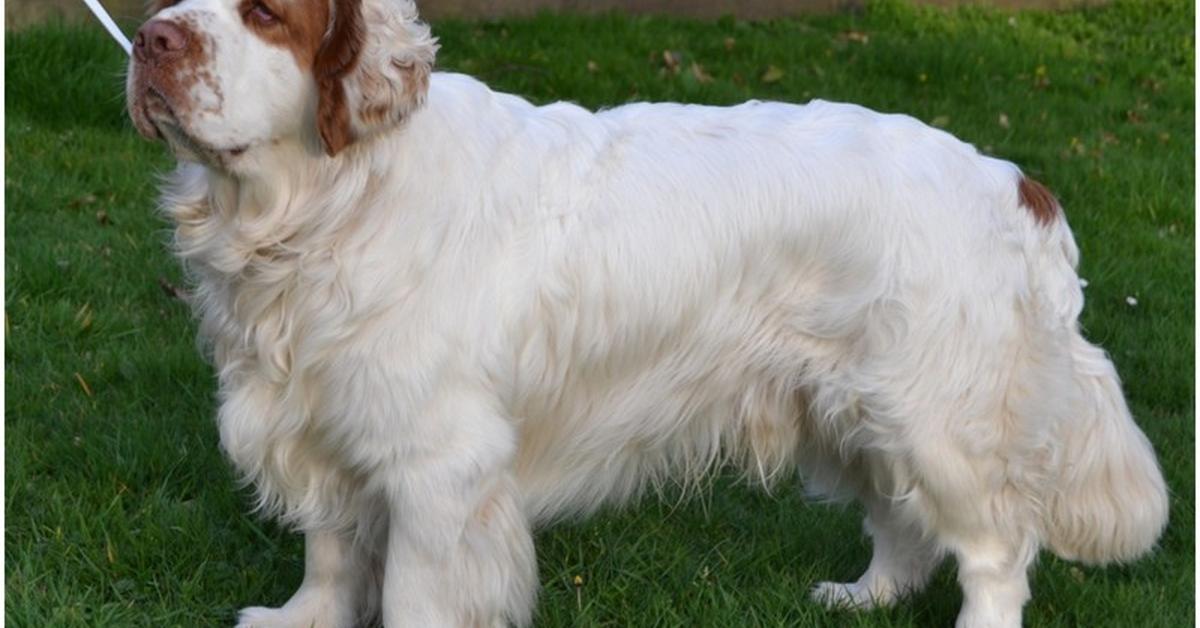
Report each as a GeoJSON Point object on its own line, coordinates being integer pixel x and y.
{"type": "Point", "coordinates": [159, 40]}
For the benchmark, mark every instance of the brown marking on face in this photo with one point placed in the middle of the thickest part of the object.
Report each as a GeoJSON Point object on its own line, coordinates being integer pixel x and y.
{"type": "Point", "coordinates": [163, 84]}
{"type": "Point", "coordinates": [1038, 200]}
{"type": "Point", "coordinates": [177, 80]}
{"type": "Point", "coordinates": [337, 58]}
{"type": "Point", "coordinates": [204, 75]}
{"type": "Point", "coordinates": [136, 104]}
{"type": "Point", "coordinates": [300, 27]}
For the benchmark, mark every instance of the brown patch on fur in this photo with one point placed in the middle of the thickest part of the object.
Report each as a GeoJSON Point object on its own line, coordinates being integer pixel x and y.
{"type": "Point", "coordinates": [1038, 200]}
{"type": "Point", "coordinates": [174, 76]}
{"type": "Point", "coordinates": [373, 113]}
{"type": "Point", "coordinates": [300, 28]}
{"type": "Point", "coordinates": [336, 59]}
{"type": "Point", "coordinates": [418, 79]}
{"type": "Point", "coordinates": [205, 76]}
{"type": "Point", "coordinates": [415, 82]}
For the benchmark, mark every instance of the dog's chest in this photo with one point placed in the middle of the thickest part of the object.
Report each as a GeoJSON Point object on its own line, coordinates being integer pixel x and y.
{"type": "Point", "coordinates": [324, 340]}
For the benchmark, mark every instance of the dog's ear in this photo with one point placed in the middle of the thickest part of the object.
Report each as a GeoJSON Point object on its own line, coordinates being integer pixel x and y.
{"type": "Point", "coordinates": [372, 69]}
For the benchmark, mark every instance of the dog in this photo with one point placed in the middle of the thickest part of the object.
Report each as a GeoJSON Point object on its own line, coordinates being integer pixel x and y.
{"type": "Point", "coordinates": [442, 316]}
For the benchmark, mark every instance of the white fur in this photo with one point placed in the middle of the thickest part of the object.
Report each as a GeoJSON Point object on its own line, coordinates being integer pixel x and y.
{"type": "Point", "coordinates": [492, 315]}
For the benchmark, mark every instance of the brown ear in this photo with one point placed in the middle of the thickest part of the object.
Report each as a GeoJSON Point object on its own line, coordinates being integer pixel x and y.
{"type": "Point", "coordinates": [372, 70]}
{"type": "Point", "coordinates": [336, 59]}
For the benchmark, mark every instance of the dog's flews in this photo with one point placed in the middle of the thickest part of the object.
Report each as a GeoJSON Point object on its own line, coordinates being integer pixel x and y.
{"type": "Point", "coordinates": [441, 315]}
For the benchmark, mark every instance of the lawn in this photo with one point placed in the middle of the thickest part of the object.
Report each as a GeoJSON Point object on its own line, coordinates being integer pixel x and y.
{"type": "Point", "coordinates": [121, 511]}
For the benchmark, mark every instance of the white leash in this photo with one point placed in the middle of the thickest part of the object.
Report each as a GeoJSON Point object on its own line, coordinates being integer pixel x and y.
{"type": "Point", "coordinates": [109, 24]}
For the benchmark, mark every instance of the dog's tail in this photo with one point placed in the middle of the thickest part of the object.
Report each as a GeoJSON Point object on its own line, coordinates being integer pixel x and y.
{"type": "Point", "coordinates": [1108, 500]}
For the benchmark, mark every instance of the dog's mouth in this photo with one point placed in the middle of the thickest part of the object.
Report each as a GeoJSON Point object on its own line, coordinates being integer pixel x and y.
{"type": "Point", "coordinates": [158, 119]}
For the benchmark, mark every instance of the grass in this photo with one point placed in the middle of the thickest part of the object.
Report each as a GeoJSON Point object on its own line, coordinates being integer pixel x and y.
{"type": "Point", "coordinates": [121, 511]}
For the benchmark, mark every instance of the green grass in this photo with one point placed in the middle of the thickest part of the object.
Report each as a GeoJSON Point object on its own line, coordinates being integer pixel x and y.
{"type": "Point", "coordinates": [121, 511]}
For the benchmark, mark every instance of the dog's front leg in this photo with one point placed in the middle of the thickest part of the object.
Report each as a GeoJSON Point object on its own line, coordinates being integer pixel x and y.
{"type": "Point", "coordinates": [460, 552]}
{"type": "Point", "coordinates": [331, 595]}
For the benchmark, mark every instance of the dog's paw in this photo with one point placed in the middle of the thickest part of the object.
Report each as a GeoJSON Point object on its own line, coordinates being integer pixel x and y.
{"type": "Point", "coordinates": [290, 616]}
{"type": "Point", "coordinates": [259, 617]}
{"type": "Point", "coordinates": [263, 617]}
{"type": "Point", "coordinates": [976, 620]}
{"type": "Point", "coordinates": [849, 595]}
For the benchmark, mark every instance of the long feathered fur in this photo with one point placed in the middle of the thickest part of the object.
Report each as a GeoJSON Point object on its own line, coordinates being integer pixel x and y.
{"type": "Point", "coordinates": [480, 315]}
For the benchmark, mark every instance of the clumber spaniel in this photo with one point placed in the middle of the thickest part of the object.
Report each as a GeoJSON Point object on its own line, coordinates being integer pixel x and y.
{"type": "Point", "coordinates": [441, 316]}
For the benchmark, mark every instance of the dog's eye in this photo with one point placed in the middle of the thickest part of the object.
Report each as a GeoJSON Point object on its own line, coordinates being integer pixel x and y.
{"type": "Point", "coordinates": [262, 15]}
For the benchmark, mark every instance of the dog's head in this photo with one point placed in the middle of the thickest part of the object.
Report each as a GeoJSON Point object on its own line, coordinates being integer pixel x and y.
{"type": "Point", "coordinates": [219, 78]}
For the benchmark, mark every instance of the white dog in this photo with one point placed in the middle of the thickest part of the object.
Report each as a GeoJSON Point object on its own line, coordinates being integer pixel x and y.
{"type": "Point", "coordinates": [442, 315]}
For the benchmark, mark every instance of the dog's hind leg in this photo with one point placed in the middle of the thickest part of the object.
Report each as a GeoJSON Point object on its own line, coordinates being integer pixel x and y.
{"type": "Point", "coordinates": [992, 571]}
{"type": "Point", "coordinates": [966, 502]}
{"type": "Point", "coordinates": [949, 457]}
{"type": "Point", "coordinates": [903, 560]}
{"type": "Point", "coordinates": [975, 484]}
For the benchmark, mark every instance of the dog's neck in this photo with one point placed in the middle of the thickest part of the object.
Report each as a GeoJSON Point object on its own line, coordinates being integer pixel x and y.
{"type": "Point", "coordinates": [275, 194]}
{"type": "Point", "coordinates": [246, 240]}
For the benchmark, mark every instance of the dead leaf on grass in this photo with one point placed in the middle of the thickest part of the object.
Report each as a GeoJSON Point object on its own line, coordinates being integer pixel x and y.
{"type": "Point", "coordinates": [856, 36]}
{"type": "Point", "coordinates": [671, 60]}
{"type": "Point", "coordinates": [772, 74]}
{"type": "Point", "coordinates": [86, 199]}
{"type": "Point", "coordinates": [87, 390]}
{"type": "Point", "coordinates": [172, 290]}
{"type": "Point", "coordinates": [84, 317]}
